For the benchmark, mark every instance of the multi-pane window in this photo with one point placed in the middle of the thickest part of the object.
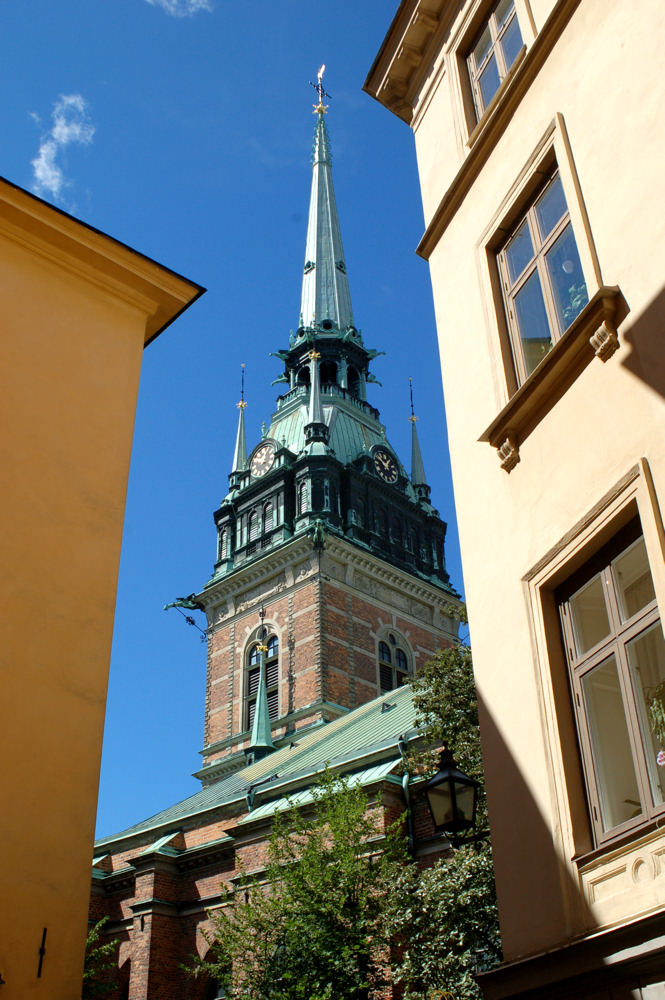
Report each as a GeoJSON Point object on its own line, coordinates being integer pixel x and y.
{"type": "Point", "coordinates": [272, 678]}
{"type": "Point", "coordinates": [393, 664]}
{"type": "Point", "coordinates": [494, 52]}
{"type": "Point", "coordinates": [542, 279]}
{"type": "Point", "coordinates": [616, 656]}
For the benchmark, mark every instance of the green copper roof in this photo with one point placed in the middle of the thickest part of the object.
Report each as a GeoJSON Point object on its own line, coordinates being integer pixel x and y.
{"type": "Point", "coordinates": [325, 286]}
{"type": "Point", "coordinates": [369, 731]}
{"type": "Point", "coordinates": [366, 777]}
{"type": "Point", "coordinates": [261, 738]}
{"type": "Point", "coordinates": [418, 477]}
{"type": "Point", "coordinates": [353, 424]}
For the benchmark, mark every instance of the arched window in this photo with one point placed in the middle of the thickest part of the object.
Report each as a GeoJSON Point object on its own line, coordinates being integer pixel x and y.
{"type": "Point", "coordinates": [328, 372]}
{"type": "Point", "coordinates": [272, 678]}
{"type": "Point", "coordinates": [397, 531]}
{"type": "Point", "coordinates": [353, 379]}
{"type": "Point", "coordinates": [268, 517]}
{"type": "Point", "coordinates": [393, 663]}
{"type": "Point", "coordinates": [223, 544]}
{"type": "Point", "coordinates": [303, 497]}
{"type": "Point", "coordinates": [253, 527]}
{"type": "Point", "coordinates": [303, 375]}
{"type": "Point", "coordinates": [360, 512]}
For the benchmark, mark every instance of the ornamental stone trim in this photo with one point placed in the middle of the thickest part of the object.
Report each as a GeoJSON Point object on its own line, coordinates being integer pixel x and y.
{"type": "Point", "coordinates": [604, 341]}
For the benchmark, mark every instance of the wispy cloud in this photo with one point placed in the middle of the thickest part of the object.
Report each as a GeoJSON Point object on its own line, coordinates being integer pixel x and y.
{"type": "Point", "coordinates": [70, 125]}
{"type": "Point", "coordinates": [182, 8]}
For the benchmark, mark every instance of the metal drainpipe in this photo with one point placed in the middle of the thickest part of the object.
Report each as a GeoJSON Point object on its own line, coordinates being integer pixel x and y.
{"type": "Point", "coordinates": [406, 777]}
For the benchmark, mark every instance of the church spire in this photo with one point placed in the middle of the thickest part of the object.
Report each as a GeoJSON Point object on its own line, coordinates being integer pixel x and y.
{"type": "Point", "coordinates": [240, 454]}
{"type": "Point", "coordinates": [260, 743]}
{"type": "Point", "coordinates": [325, 286]}
{"type": "Point", "coordinates": [418, 477]}
{"type": "Point", "coordinates": [316, 428]}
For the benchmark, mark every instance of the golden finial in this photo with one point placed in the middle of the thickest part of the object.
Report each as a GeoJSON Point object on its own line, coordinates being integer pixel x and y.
{"type": "Point", "coordinates": [242, 404]}
{"type": "Point", "coordinates": [413, 417]}
{"type": "Point", "coordinates": [320, 108]}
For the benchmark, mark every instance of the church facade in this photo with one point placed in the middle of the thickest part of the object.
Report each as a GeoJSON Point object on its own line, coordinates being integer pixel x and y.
{"type": "Point", "coordinates": [329, 591]}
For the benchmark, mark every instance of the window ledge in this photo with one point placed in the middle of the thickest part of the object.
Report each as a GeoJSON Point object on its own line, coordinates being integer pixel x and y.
{"type": "Point", "coordinates": [592, 334]}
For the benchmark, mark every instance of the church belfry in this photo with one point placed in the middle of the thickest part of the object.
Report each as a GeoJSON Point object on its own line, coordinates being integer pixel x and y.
{"type": "Point", "coordinates": [321, 526]}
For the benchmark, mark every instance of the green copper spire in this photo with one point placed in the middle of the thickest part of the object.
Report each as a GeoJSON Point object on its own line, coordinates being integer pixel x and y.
{"type": "Point", "coordinates": [260, 742]}
{"type": "Point", "coordinates": [240, 454]}
{"type": "Point", "coordinates": [325, 286]}
{"type": "Point", "coordinates": [418, 477]}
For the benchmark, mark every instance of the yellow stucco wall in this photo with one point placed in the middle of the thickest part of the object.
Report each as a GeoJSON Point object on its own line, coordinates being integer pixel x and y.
{"type": "Point", "coordinates": [76, 310]}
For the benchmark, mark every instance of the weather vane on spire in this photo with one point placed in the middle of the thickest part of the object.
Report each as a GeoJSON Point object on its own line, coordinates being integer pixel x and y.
{"type": "Point", "coordinates": [413, 417]}
{"type": "Point", "coordinates": [242, 404]}
{"type": "Point", "coordinates": [320, 108]}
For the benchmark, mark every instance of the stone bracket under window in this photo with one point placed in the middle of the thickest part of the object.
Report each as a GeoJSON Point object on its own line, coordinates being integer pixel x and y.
{"type": "Point", "coordinates": [592, 334]}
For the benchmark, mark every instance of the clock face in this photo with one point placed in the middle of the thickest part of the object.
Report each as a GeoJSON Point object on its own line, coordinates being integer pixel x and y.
{"type": "Point", "coordinates": [262, 460]}
{"type": "Point", "coordinates": [385, 465]}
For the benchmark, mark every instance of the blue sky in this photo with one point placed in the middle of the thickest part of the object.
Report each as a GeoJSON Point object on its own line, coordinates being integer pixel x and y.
{"type": "Point", "coordinates": [184, 128]}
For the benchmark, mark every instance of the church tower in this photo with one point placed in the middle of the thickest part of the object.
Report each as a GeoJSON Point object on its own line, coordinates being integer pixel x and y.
{"type": "Point", "coordinates": [330, 586]}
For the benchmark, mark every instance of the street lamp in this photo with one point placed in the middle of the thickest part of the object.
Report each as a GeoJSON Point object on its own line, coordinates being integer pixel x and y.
{"type": "Point", "coordinates": [452, 797]}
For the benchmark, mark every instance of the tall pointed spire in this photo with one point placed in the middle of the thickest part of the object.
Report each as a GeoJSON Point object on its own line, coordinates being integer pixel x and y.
{"type": "Point", "coordinates": [316, 428]}
{"type": "Point", "coordinates": [325, 286]}
{"type": "Point", "coordinates": [260, 742]}
{"type": "Point", "coordinates": [240, 454]}
{"type": "Point", "coordinates": [418, 477]}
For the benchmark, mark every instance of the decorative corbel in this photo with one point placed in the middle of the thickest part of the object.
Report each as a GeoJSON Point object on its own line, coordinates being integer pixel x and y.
{"type": "Point", "coordinates": [604, 341]}
{"type": "Point", "coordinates": [509, 453]}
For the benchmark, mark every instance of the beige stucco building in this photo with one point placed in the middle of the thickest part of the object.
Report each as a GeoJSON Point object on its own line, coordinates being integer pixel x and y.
{"type": "Point", "coordinates": [540, 146]}
{"type": "Point", "coordinates": [77, 309]}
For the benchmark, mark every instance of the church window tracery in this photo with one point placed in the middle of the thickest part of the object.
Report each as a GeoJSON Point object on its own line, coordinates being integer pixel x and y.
{"type": "Point", "coordinates": [394, 668]}
{"type": "Point", "coordinates": [272, 679]}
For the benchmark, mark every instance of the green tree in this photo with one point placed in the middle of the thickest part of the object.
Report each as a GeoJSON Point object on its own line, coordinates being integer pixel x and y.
{"type": "Point", "coordinates": [445, 916]}
{"type": "Point", "coordinates": [99, 959]}
{"type": "Point", "coordinates": [312, 928]}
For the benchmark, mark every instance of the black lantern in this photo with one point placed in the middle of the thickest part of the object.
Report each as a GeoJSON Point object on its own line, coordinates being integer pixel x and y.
{"type": "Point", "coordinates": [452, 796]}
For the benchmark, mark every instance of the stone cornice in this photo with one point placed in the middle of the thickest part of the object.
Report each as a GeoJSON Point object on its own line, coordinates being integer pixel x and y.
{"type": "Point", "coordinates": [128, 275]}
{"type": "Point", "coordinates": [493, 124]}
{"type": "Point", "coordinates": [405, 54]}
{"type": "Point", "coordinates": [298, 563]}
{"type": "Point", "coordinates": [391, 575]}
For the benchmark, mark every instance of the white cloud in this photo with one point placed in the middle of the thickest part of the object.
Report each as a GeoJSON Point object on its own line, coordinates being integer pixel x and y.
{"type": "Point", "coordinates": [71, 125]}
{"type": "Point", "coordinates": [182, 8]}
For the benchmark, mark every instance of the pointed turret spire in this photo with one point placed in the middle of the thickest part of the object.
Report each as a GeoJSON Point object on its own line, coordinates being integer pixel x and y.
{"type": "Point", "coordinates": [418, 477]}
{"type": "Point", "coordinates": [260, 742]}
{"type": "Point", "coordinates": [316, 428]}
{"type": "Point", "coordinates": [240, 454]}
{"type": "Point", "coordinates": [325, 286]}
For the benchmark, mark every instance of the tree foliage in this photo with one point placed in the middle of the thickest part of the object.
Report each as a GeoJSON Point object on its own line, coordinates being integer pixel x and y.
{"type": "Point", "coordinates": [339, 910]}
{"type": "Point", "coordinates": [311, 928]}
{"type": "Point", "coordinates": [445, 916]}
{"type": "Point", "coordinates": [100, 959]}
